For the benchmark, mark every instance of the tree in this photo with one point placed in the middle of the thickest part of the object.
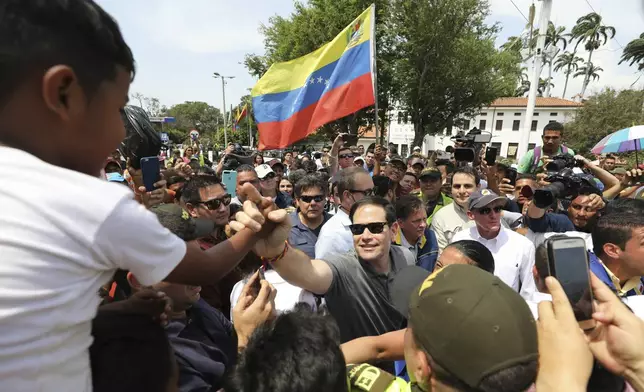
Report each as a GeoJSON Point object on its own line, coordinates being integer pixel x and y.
{"type": "Point", "coordinates": [139, 97]}
{"type": "Point", "coordinates": [602, 114]}
{"type": "Point", "coordinates": [447, 64]}
{"type": "Point", "coordinates": [555, 36]}
{"type": "Point", "coordinates": [590, 30]}
{"type": "Point", "coordinates": [312, 25]}
{"type": "Point", "coordinates": [588, 71]}
{"type": "Point", "coordinates": [570, 62]}
{"type": "Point", "coordinates": [634, 53]}
{"type": "Point", "coordinates": [192, 115]}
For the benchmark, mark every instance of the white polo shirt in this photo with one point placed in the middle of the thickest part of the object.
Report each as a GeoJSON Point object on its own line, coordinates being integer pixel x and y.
{"type": "Point", "coordinates": [335, 236]}
{"type": "Point", "coordinates": [513, 257]}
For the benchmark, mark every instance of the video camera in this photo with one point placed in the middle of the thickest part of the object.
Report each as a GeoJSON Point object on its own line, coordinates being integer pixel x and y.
{"type": "Point", "coordinates": [239, 156]}
{"type": "Point", "coordinates": [564, 181]}
{"type": "Point", "coordinates": [468, 146]}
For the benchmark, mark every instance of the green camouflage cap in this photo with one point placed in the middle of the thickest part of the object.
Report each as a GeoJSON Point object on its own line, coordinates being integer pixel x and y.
{"type": "Point", "coordinates": [430, 172]}
{"type": "Point", "coordinates": [181, 224]}
{"type": "Point", "coordinates": [471, 323]}
{"type": "Point", "coordinates": [619, 170]}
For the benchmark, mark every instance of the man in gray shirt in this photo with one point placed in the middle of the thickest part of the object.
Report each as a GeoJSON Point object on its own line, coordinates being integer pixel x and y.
{"type": "Point", "coordinates": [355, 284]}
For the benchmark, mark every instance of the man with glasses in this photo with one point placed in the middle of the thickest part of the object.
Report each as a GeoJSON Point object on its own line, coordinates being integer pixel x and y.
{"type": "Point", "coordinates": [308, 219]}
{"type": "Point", "coordinates": [268, 186]}
{"type": "Point", "coordinates": [513, 253]}
{"type": "Point", "coordinates": [355, 284]}
{"type": "Point", "coordinates": [352, 184]}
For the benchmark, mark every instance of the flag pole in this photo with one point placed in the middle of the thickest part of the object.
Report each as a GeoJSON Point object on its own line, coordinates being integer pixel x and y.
{"type": "Point", "coordinates": [374, 71]}
{"type": "Point", "coordinates": [250, 128]}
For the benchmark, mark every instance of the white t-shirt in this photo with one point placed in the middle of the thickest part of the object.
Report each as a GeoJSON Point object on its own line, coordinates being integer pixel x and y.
{"type": "Point", "coordinates": [287, 295]}
{"type": "Point", "coordinates": [62, 236]}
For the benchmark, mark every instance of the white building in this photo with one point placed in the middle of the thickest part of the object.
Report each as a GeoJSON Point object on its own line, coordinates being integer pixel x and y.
{"type": "Point", "coordinates": [504, 119]}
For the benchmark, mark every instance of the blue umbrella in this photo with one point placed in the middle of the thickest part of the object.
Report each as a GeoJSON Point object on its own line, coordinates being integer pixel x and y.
{"type": "Point", "coordinates": [624, 140]}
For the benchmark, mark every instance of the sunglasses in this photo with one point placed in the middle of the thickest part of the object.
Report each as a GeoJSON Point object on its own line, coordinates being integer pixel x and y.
{"type": "Point", "coordinates": [374, 228]}
{"type": "Point", "coordinates": [366, 192]}
{"type": "Point", "coordinates": [345, 156]}
{"type": "Point", "coordinates": [214, 204]}
{"type": "Point", "coordinates": [487, 210]}
{"type": "Point", "coordinates": [308, 199]}
{"type": "Point", "coordinates": [269, 176]}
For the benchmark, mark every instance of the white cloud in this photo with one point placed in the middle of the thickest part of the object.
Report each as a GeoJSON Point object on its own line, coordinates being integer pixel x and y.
{"type": "Point", "coordinates": [625, 15]}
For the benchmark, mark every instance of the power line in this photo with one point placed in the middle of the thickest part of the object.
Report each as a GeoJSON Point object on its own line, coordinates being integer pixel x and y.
{"type": "Point", "coordinates": [593, 8]}
{"type": "Point", "coordinates": [518, 9]}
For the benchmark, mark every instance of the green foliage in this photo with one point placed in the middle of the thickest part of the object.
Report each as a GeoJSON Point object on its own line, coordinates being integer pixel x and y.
{"type": "Point", "coordinates": [447, 64]}
{"type": "Point", "coordinates": [634, 53]}
{"type": "Point", "coordinates": [192, 115]}
{"type": "Point", "coordinates": [603, 114]}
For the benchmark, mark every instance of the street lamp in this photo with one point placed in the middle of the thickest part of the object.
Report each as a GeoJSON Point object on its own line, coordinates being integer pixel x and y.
{"type": "Point", "coordinates": [223, 91]}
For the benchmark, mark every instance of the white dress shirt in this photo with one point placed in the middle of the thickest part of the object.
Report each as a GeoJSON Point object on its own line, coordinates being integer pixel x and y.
{"type": "Point", "coordinates": [335, 236]}
{"type": "Point", "coordinates": [513, 257]}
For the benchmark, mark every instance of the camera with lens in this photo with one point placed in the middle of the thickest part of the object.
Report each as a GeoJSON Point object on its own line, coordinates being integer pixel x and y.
{"type": "Point", "coordinates": [564, 182]}
{"type": "Point", "coordinates": [468, 145]}
{"type": "Point", "coordinates": [239, 156]}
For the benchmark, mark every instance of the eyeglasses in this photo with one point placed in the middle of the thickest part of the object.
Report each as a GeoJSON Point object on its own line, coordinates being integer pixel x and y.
{"type": "Point", "coordinates": [214, 204]}
{"type": "Point", "coordinates": [345, 156]}
{"type": "Point", "coordinates": [308, 199]}
{"type": "Point", "coordinates": [487, 210]}
{"type": "Point", "coordinates": [374, 228]}
{"type": "Point", "coordinates": [268, 177]}
{"type": "Point", "coordinates": [366, 192]}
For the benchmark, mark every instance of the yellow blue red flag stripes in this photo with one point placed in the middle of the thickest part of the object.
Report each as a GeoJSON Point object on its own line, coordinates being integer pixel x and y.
{"type": "Point", "coordinates": [296, 97]}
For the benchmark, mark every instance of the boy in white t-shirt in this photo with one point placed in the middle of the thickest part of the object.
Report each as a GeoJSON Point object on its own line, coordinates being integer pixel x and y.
{"type": "Point", "coordinates": [64, 77]}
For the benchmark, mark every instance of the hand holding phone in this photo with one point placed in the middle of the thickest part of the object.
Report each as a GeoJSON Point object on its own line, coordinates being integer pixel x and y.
{"type": "Point", "coordinates": [568, 262]}
{"type": "Point", "coordinates": [150, 172]}
{"type": "Point", "coordinates": [512, 176]}
{"type": "Point", "coordinates": [490, 156]}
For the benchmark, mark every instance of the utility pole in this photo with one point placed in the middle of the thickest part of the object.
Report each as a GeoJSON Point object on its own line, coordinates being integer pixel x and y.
{"type": "Point", "coordinates": [223, 91]}
{"type": "Point", "coordinates": [544, 18]}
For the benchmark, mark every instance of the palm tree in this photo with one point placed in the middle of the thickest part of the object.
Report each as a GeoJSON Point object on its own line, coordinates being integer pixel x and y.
{"type": "Point", "coordinates": [544, 85]}
{"type": "Point", "coordinates": [634, 52]}
{"type": "Point", "coordinates": [590, 71]}
{"type": "Point", "coordinates": [590, 30]}
{"type": "Point", "coordinates": [570, 62]}
{"type": "Point", "coordinates": [554, 37]}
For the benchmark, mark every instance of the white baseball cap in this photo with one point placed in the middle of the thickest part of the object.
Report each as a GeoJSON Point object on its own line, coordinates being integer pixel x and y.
{"type": "Point", "coordinates": [263, 170]}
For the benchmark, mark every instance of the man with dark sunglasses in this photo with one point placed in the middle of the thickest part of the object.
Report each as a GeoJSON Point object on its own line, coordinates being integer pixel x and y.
{"type": "Point", "coordinates": [353, 184]}
{"type": "Point", "coordinates": [308, 219]}
{"type": "Point", "coordinates": [513, 253]}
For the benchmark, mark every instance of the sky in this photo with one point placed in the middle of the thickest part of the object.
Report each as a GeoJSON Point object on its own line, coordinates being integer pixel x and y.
{"type": "Point", "coordinates": [178, 45]}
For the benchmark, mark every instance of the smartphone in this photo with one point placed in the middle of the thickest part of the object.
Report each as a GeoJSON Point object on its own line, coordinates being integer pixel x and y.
{"type": "Point", "coordinates": [490, 155]}
{"type": "Point", "coordinates": [150, 172]}
{"type": "Point", "coordinates": [512, 176]}
{"type": "Point", "coordinates": [350, 140]}
{"type": "Point", "coordinates": [568, 262]}
{"type": "Point", "coordinates": [229, 179]}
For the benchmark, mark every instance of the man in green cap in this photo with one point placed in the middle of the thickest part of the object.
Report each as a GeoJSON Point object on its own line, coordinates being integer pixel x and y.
{"type": "Point", "coordinates": [430, 192]}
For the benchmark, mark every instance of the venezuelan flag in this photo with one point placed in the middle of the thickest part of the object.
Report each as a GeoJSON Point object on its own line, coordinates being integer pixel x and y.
{"type": "Point", "coordinates": [296, 97]}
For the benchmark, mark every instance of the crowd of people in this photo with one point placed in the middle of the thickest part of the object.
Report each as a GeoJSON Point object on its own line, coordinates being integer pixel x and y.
{"type": "Point", "coordinates": [352, 268]}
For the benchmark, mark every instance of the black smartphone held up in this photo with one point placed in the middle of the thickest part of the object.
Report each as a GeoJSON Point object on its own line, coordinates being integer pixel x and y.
{"type": "Point", "coordinates": [350, 140]}
{"type": "Point", "coordinates": [490, 155]}
{"type": "Point", "coordinates": [568, 262]}
{"type": "Point", "coordinates": [512, 176]}
{"type": "Point", "coordinates": [150, 172]}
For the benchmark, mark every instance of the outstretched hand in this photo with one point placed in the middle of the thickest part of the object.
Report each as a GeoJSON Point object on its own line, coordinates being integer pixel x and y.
{"type": "Point", "coordinates": [261, 215]}
{"type": "Point", "coordinates": [250, 311]}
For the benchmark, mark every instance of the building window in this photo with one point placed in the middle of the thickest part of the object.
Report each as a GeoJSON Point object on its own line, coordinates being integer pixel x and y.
{"type": "Point", "coordinates": [534, 125]}
{"type": "Point", "coordinates": [405, 117]}
{"type": "Point", "coordinates": [554, 114]}
{"type": "Point", "coordinates": [500, 114]}
{"type": "Point", "coordinates": [498, 148]}
{"type": "Point", "coordinates": [517, 114]}
{"type": "Point", "coordinates": [551, 121]}
{"type": "Point", "coordinates": [499, 125]}
{"type": "Point", "coordinates": [404, 149]}
{"type": "Point", "coordinates": [466, 124]}
{"type": "Point", "coordinates": [535, 114]}
{"type": "Point", "coordinates": [531, 146]}
{"type": "Point", "coordinates": [516, 124]}
{"type": "Point", "coordinates": [482, 125]}
{"type": "Point", "coordinates": [483, 114]}
{"type": "Point", "coordinates": [512, 150]}
{"type": "Point", "coordinates": [400, 117]}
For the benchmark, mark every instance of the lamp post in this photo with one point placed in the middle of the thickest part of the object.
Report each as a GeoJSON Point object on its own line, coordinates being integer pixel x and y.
{"type": "Point", "coordinates": [223, 92]}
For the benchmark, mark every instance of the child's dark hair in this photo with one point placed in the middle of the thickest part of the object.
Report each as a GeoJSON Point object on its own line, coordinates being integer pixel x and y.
{"type": "Point", "coordinates": [130, 352]}
{"type": "Point", "coordinates": [38, 34]}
